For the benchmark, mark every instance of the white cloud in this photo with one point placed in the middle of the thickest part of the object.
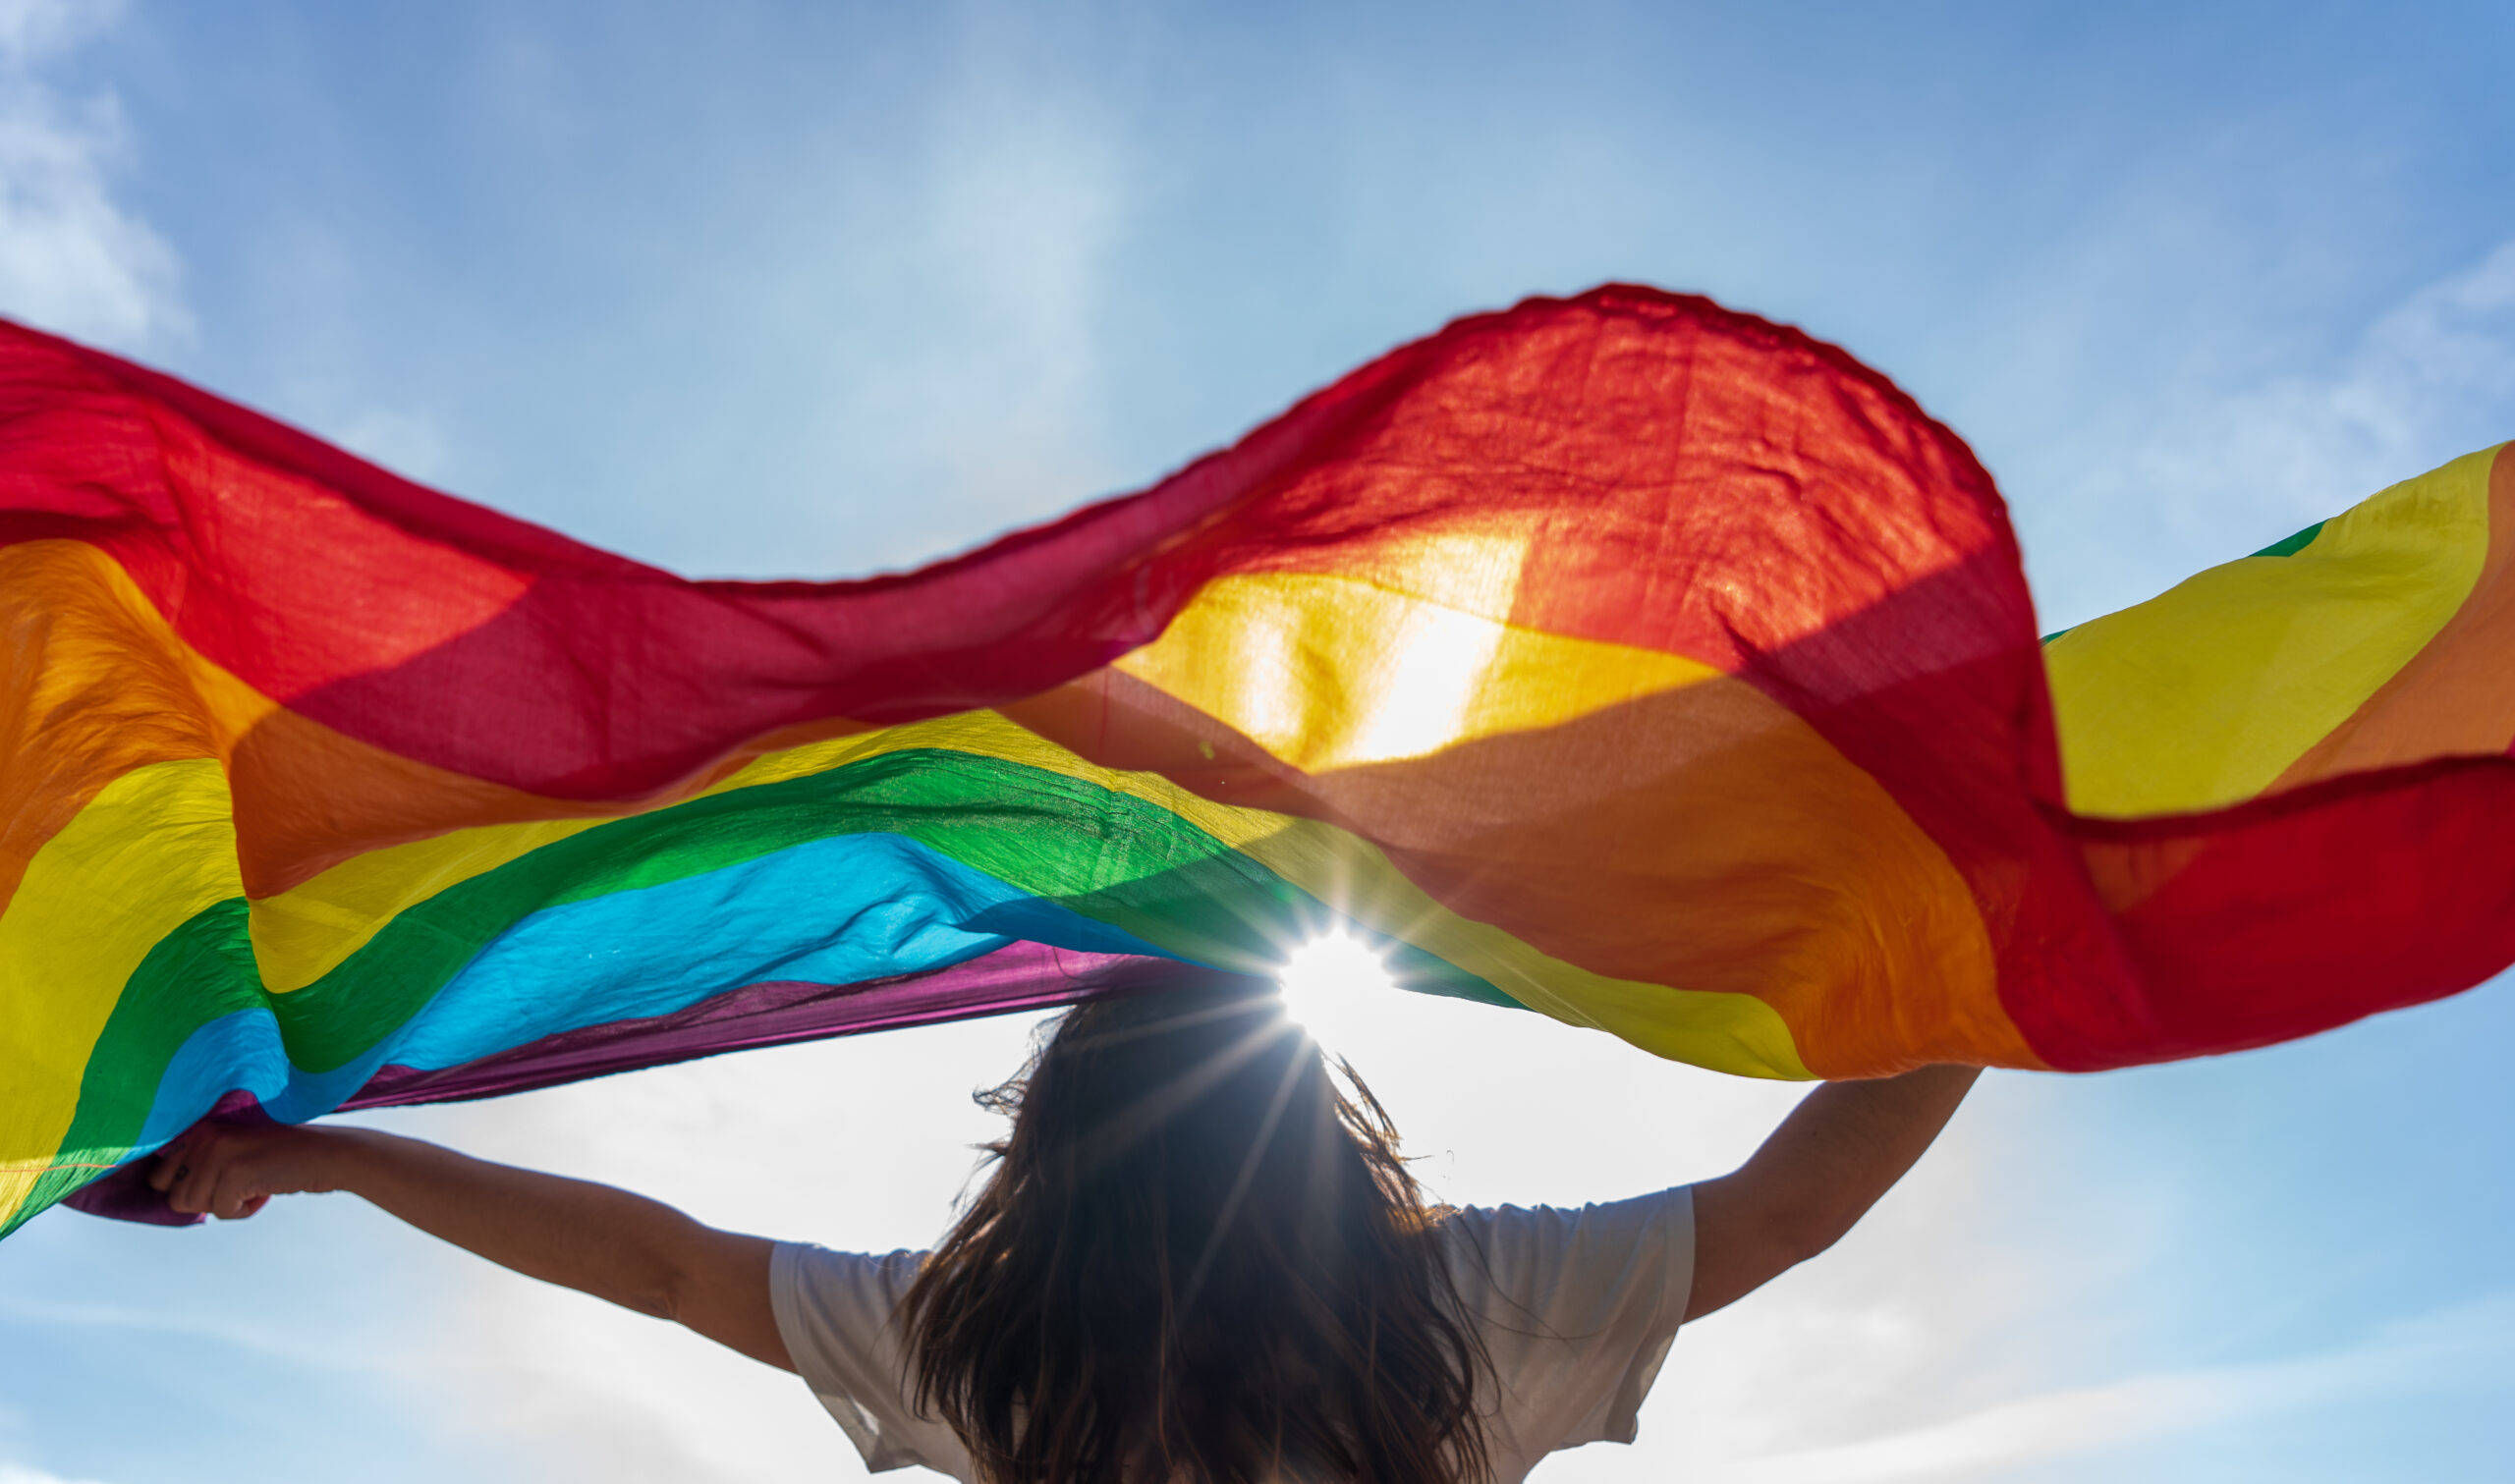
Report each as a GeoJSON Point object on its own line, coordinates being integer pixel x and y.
{"type": "Point", "coordinates": [256, 1336]}
{"type": "Point", "coordinates": [35, 30]}
{"type": "Point", "coordinates": [2467, 1345]}
{"type": "Point", "coordinates": [2234, 466]}
{"type": "Point", "coordinates": [2430, 379]}
{"type": "Point", "coordinates": [1021, 204]}
{"type": "Point", "coordinates": [11, 1473]}
{"type": "Point", "coordinates": [72, 257]}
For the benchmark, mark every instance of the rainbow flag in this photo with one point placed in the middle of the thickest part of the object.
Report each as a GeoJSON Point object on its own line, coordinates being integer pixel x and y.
{"type": "Point", "coordinates": [1623, 658]}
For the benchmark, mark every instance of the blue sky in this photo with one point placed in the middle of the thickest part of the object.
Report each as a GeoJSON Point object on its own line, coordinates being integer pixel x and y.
{"type": "Point", "coordinates": [823, 290]}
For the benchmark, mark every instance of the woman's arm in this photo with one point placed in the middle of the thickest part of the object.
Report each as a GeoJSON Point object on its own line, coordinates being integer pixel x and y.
{"type": "Point", "coordinates": [1844, 1146]}
{"type": "Point", "coordinates": [637, 1253]}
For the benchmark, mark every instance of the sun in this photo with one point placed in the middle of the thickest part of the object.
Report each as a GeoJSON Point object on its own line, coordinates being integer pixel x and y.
{"type": "Point", "coordinates": [1333, 984]}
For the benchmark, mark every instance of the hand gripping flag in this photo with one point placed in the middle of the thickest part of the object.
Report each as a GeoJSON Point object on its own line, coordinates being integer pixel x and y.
{"type": "Point", "coordinates": [1623, 658]}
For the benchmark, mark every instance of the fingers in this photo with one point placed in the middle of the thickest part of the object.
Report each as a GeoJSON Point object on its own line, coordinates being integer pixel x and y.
{"type": "Point", "coordinates": [195, 1179]}
{"type": "Point", "coordinates": [234, 1196]}
{"type": "Point", "coordinates": [202, 1172]}
{"type": "Point", "coordinates": [173, 1163]}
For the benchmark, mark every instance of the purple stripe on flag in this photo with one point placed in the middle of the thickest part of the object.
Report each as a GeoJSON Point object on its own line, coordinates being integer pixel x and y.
{"type": "Point", "coordinates": [1019, 976]}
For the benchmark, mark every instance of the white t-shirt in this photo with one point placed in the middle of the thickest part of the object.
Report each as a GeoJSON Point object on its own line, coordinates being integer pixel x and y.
{"type": "Point", "coordinates": [1576, 1307]}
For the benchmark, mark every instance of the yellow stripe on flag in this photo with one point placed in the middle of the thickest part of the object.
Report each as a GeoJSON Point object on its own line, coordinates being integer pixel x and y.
{"type": "Point", "coordinates": [2204, 695]}
{"type": "Point", "coordinates": [149, 852]}
{"type": "Point", "coordinates": [1328, 672]}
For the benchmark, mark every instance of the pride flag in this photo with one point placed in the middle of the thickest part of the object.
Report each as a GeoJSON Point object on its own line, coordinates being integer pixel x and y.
{"type": "Point", "coordinates": [1639, 663]}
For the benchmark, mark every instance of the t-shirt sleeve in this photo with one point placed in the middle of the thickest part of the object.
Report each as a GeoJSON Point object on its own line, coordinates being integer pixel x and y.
{"type": "Point", "coordinates": [1577, 1309]}
{"type": "Point", "coordinates": [835, 1312]}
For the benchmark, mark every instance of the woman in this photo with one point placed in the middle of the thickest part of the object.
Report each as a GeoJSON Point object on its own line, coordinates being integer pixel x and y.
{"type": "Point", "coordinates": [1197, 1260]}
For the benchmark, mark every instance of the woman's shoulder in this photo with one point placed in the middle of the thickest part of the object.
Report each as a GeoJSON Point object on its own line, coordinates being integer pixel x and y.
{"type": "Point", "coordinates": [850, 1287]}
{"type": "Point", "coordinates": [1636, 1214]}
{"type": "Point", "coordinates": [1518, 1256]}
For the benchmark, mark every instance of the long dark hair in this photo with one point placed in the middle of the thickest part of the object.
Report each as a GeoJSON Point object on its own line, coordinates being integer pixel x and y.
{"type": "Point", "coordinates": [1197, 1260]}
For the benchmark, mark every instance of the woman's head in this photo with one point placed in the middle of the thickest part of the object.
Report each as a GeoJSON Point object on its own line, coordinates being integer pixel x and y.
{"type": "Point", "coordinates": [1197, 1260]}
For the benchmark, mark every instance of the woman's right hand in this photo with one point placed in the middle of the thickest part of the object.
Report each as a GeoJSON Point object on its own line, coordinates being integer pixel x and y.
{"type": "Point", "coordinates": [231, 1171]}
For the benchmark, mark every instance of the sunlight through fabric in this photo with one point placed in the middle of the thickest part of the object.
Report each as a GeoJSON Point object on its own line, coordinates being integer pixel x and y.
{"type": "Point", "coordinates": [1335, 986]}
